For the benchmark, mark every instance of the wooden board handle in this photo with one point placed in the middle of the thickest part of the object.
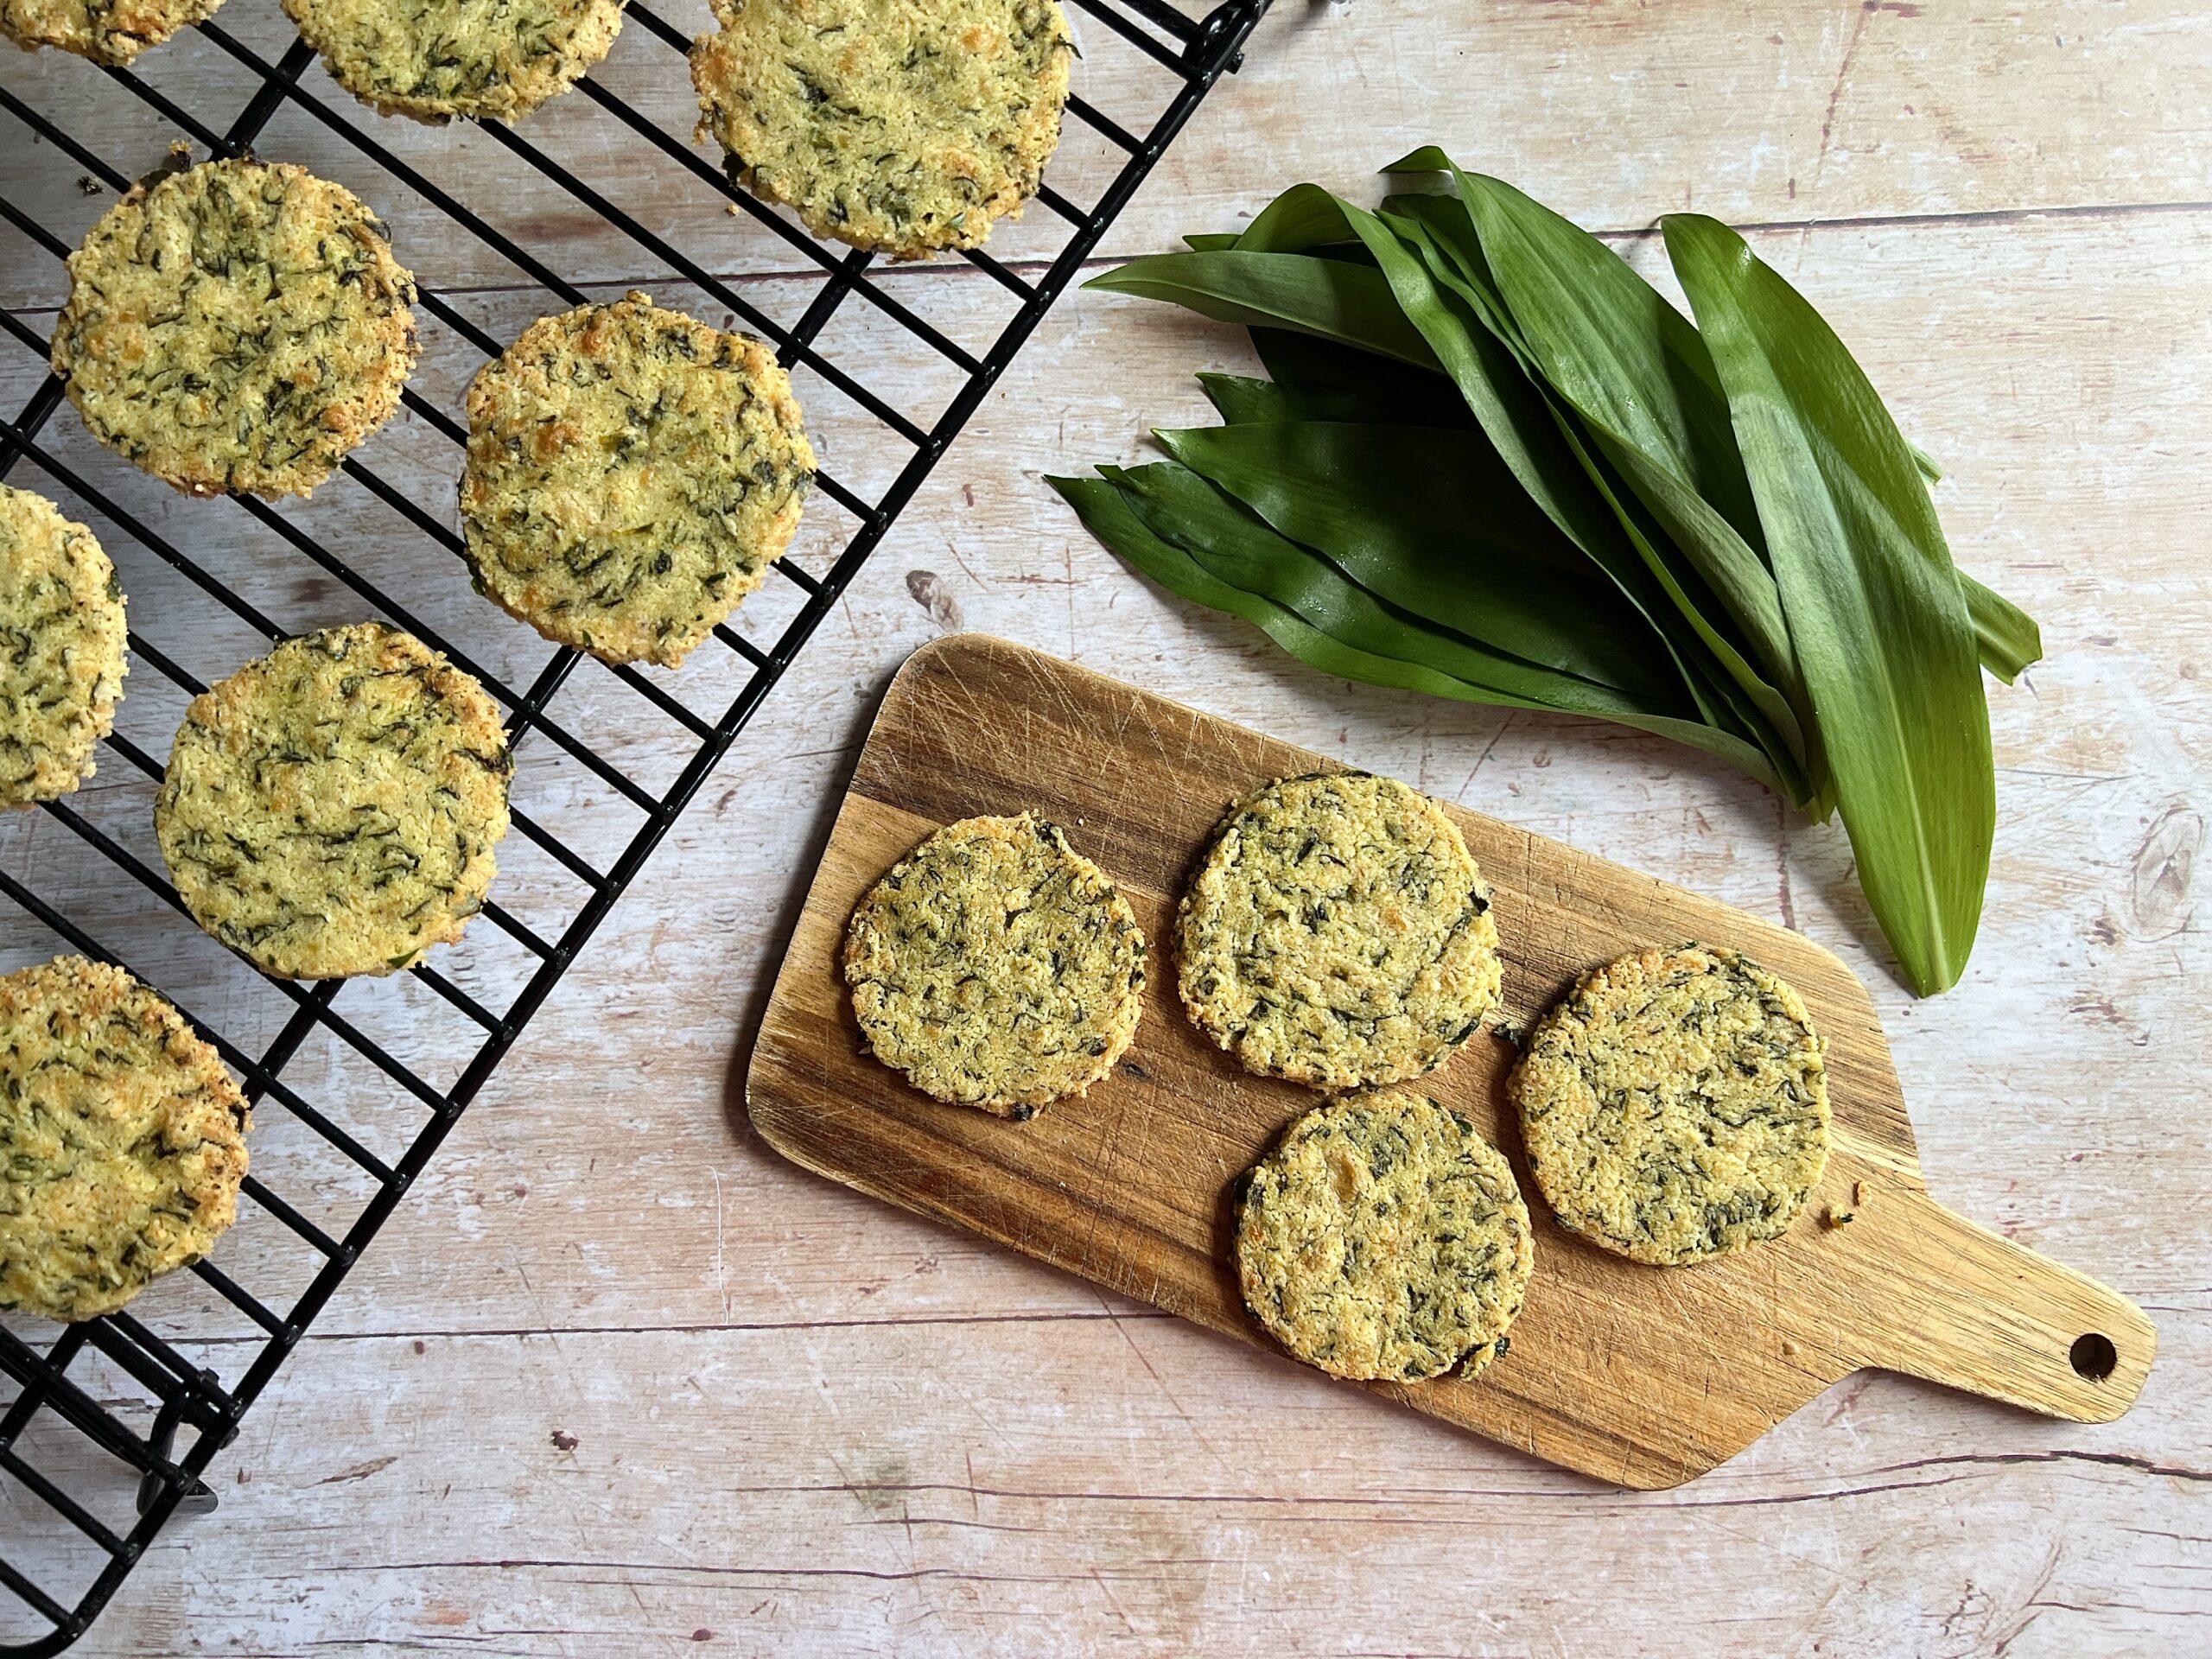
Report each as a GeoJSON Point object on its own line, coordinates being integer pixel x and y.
{"type": "Point", "coordinates": [1975, 1311]}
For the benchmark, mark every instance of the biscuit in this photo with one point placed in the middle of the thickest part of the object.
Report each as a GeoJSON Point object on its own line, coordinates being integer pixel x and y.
{"type": "Point", "coordinates": [1676, 1105]}
{"type": "Point", "coordinates": [62, 649]}
{"type": "Point", "coordinates": [630, 475]}
{"type": "Point", "coordinates": [236, 326]}
{"type": "Point", "coordinates": [1383, 1238]}
{"type": "Point", "coordinates": [106, 31]}
{"type": "Point", "coordinates": [122, 1137]}
{"type": "Point", "coordinates": [996, 967]}
{"type": "Point", "coordinates": [331, 809]}
{"type": "Point", "coordinates": [1337, 933]}
{"type": "Point", "coordinates": [906, 126]}
{"type": "Point", "coordinates": [487, 59]}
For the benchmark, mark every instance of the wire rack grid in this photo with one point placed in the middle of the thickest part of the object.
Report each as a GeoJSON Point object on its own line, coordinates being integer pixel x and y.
{"type": "Point", "coordinates": [584, 819]}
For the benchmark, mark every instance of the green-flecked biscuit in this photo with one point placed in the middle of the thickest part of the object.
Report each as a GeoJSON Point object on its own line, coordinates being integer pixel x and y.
{"type": "Point", "coordinates": [904, 126]}
{"type": "Point", "coordinates": [487, 59]}
{"type": "Point", "coordinates": [996, 967]}
{"type": "Point", "coordinates": [121, 1139]}
{"type": "Point", "coordinates": [236, 326]}
{"type": "Point", "coordinates": [331, 809]}
{"type": "Point", "coordinates": [630, 475]}
{"type": "Point", "coordinates": [1383, 1238]}
{"type": "Point", "coordinates": [1676, 1105]}
{"type": "Point", "coordinates": [1337, 933]}
{"type": "Point", "coordinates": [106, 31]}
{"type": "Point", "coordinates": [63, 649]}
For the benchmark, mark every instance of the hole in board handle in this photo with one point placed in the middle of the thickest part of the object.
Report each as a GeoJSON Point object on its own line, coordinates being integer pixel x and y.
{"type": "Point", "coordinates": [2093, 1356]}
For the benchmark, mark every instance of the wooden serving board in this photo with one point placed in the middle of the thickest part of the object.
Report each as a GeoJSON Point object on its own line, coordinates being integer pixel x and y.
{"type": "Point", "coordinates": [1645, 1377]}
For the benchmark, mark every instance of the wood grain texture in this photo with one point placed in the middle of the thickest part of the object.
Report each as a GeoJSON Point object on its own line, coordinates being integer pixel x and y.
{"type": "Point", "coordinates": [810, 1422]}
{"type": "Point", "coordinates": [1645, 1377]}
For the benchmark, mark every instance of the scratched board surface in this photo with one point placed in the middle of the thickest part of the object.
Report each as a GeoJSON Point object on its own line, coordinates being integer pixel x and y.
{"type": "Point", "coordinates": [1643, 1376]}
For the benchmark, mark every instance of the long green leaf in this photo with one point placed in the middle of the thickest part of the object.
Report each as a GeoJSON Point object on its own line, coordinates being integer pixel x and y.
{"type": "Point", "coordinates": [1880, 624]}
{"type": "Point", "coordinates": [1108, 517]}
{"type": "Point", "coordinates": [1710, 656]}
{"type": "Point", "coordinates": [2006, 635]}
{"type": "Point", "coordinates": [1337, 299]}
{"type": "Point", "coordinates": [1637, 372]}
{"type": "Point", "coordinates": [1109, 511]}
{"type": "Point", "coordinates": [1514, 414]}
{"type": "Point", "coordinates": [1611, 344]}
{"type": "Point", "coordinates": [1242, 400]}
{"type": "Point", "coordinates": [1316, 379]}
{"type": "Point", "coordinates": [1311, 375]}
{"type": "Point", "coordinates": [1244, 549]}
{"type": "Point", "coordinates": [1413, 515]}
{"type": "Point", "coordinates": [1302, 217]}
{"type": "Point", "coordinates": [1530, 434]}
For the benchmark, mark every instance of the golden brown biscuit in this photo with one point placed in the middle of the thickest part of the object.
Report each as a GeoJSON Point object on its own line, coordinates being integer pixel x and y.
{"type": "Point", "coordinates": [631, 476]}
{"type": "Point", "coordinates": [487, 59]}
{"type": "Point", "coordinates": [1383, 1238]}
{"type": "Point", "coordinates": [331, 809]}
{"type": "Point", "coordinates": [902, 125]}
{"type": "Point", "coordinates": [63, 649]}
{"type": "Point", "coordinates": [996, 967]}
{"type": "Point", "coordinates": [122, 1135]}
{"type": "Point", "coordinates": [1337, 933]}
{"type": "Point", "coordinates": [236, 326]}
{"type": "Point", "coordinates": [1676, 1105]}
{"type": "Point", "coordinates": [106, 31]}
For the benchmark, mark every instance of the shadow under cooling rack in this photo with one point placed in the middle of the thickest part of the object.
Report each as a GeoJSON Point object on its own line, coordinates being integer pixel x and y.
{"type": "Point", "coordinates": [111, 1423]}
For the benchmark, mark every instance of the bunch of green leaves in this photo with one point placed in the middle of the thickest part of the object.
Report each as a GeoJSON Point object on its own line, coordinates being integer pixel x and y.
{"type": "Point", "coordinates": [1492, 463]}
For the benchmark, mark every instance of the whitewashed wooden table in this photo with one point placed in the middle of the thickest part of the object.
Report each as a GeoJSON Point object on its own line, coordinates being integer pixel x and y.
{"type": "Point", "coordinates": [618, 1381]}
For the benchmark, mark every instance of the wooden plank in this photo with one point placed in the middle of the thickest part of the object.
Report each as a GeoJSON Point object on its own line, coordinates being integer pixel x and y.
{"type": "Point", "coordinates": [1639, 1376]}
{"type": "Point", "coordinates": [1810, 113]}
{"type": "Point", "coordinates": [1124, 1484]}
{"type": "Point", "coordinates": [2052, 361]}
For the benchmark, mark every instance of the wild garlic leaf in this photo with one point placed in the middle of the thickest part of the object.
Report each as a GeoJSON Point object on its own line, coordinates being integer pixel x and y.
{"type": "Point", "coordinates": [1239, 547]}
{"type": "Point", "coordinates": [1637, 372]}
{"type": "Point", "coordinates": [1611, 344]}
{"type": "Point", "coordinates": [1702, 627]}
{"type": "Point", "coordinates": [1516, 417]}
{"type": "Point", "coordinates": [1335, 299]}
{"type": "Point", "coordinates": [1242, 399]}
{"type": "Point", "coordinates": [1110, 509]}
{"type": "Point", "coordinates": [1434, 524]}
{"type": "Point", "coordinates": [2006, 635]}
{"type": "Point", "coordinates": [1226, 539]}
{"type": "Point", "coordinates": [1310, 373]}
{"type": "Point", "coordinates": [1106, 512]}
{"type": "Point", "coordinates": [1880, 623]}
{"type": "Point", "coordinates": [1301, 219]}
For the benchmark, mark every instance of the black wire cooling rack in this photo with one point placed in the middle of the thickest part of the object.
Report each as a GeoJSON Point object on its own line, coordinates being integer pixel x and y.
{"type": "Point", "coordinates": [334, 1150]}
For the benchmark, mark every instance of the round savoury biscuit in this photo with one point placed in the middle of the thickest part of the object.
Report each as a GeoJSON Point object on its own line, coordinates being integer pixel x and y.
{"type": "Point", "coordinates": [904, 126]}
{"type": "Point", "coordinates": [487, 59]}
{"type": "Point", "coordinates": [1676, 1105]}
{"type": "Point", "coordinates": [106, 31]}
{"type": "Point", "coordinates": [630, 475]}
{"type": "Point", "coordinates": [1337, 933]}
{"type": "Point", "coordinates": [62, 649]}
{"type": "Point", "coordinates": [236, 326]}
{"type": "Point", "coordinates": [123, 1140]}
{"type": "Point", "coordinates": [996, 967]}
{"type": "Point", "coordinates": [1384, 1238]}
{"type": "Point", "coordinates": [331, 808]}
